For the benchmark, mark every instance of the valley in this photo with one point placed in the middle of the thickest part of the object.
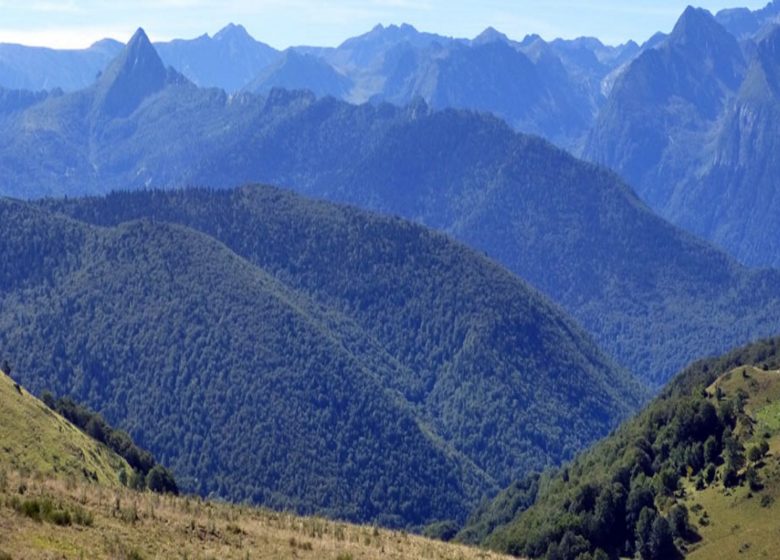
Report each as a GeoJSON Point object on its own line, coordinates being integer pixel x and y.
{"type": "Point", "coordinates": [471, 293]}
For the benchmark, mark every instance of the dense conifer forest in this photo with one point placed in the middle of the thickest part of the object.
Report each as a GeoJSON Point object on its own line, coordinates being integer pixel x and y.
{"type": "Point", "coordinates": [386, 373]}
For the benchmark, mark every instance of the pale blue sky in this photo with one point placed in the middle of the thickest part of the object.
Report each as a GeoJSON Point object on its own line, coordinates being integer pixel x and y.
{"type": "Point", "coordinates": [281, 23]}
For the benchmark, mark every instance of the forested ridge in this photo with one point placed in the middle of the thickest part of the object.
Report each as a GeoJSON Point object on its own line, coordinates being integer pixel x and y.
{"type": "Point", "coordinates": [306, 356]}
{"type": "Point", "coordinates": [696, 470]}
{"type": "Point", "coordinates": [146, 473]}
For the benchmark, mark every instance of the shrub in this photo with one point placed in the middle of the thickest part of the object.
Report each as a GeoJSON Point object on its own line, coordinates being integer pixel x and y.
{"type": "Point", "coordinates": [755, 455]}
{"type": "Point", "coordinates": [82, 517]}
{"type": "Point", "coordinates": [31, 509]}
{"type": "Point", "coordinates": [59, 517]}
{"type": "Point", "coordinates": [730, 477]}
{"type": "Point", "coordinates": [161, 481]}
{"type": "Point", "coordinates": [442, 531]}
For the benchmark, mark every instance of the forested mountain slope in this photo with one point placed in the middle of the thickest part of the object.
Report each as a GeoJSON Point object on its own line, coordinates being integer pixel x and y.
{"type": "Point", "coordinates": [647, 292]}
{"type": "Point", "coordinates": [306, 355]}
{"type": "Point", "coordinates": [696, 472]}
{"type": "Point", "coordinates": [652, 296]}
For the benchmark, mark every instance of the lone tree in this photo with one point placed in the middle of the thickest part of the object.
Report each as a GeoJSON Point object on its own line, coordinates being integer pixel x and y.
{"type": "Point", "coordinates": [161, 481]}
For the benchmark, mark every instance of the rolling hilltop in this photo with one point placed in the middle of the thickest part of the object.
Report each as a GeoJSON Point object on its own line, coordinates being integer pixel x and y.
{"type": "Point", "coordinates": [698, 471]}
{"type": "Point", "coordinates": [60, 494]}
{"type": "Point", "coordinates": [299, 354]}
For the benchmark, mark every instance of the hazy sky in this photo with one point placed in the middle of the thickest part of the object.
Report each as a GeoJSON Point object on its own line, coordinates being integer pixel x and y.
{"type": "Point", "coordinates": [281, 23]}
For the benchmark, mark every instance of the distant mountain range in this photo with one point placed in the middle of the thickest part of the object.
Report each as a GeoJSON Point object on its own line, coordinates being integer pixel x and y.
{"type": "Point", "coordinates": [687, 118]}
{"type": "Point", "coordinates": [744, 23]}
{"type": "Point", "coordinates": [692, 125]}
{"type": "Point", "coordinates": [39, 68]}
{"type": "Point", "coordinates": [230, 59]}
{"type": "Point", "coordinates": [299, 354]}
{"type": "Point", "coordinates": [653, 297]}
{"type": "Point", "coordinates": [547, 89]}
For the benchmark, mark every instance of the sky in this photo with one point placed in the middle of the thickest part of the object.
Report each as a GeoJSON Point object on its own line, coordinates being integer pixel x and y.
{"type": "Point", "coordinates": [283, 23]}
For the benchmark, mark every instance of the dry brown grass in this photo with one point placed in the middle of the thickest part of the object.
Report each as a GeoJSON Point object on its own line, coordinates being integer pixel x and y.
{"type": "Point", "coordinates": [130, 525]}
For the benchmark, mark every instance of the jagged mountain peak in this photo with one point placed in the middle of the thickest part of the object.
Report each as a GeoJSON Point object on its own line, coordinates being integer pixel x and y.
{"type": "Point", "coordinates": [705, 45]}
{"type": "Point", "coordinates": [381, 33]}
{"type": "Point", "coordinates": [138, 57]}
{"type": "Point", "coordinates": [699, 27]}
{"type": "Point", "coordinates": [140, 43]}
{"type": "Point", "coordinates": [233, 32]}
{"type": "Point", "coordinates": [530, 39]}
{"type": "Point", "coordinates": [404, 28]}
{"type": "Point", "coordinates": [490, 35]}
{"type": "Point", "coordinates": [135, 74]}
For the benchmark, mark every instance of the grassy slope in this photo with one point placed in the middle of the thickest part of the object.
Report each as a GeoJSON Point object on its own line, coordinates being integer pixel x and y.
{"type": "Point", "coordinates": [740, 526]}
{"type": "Point", "coordinates": [45, 455]}
{"type": "Point", "coordinates": [35, 439]}
{"type": "Point", "coordinates": [129, 525]}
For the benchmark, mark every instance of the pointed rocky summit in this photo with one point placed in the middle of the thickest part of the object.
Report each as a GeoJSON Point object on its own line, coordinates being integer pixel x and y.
{"type": "Point", "coordinates": [233, 33]}
{"type": "Point", "coordinates": [134, 75]}
{"type": "Point", "coordinates": [490, 35]}
{"type": "Point", "coordinates": [698, 29]}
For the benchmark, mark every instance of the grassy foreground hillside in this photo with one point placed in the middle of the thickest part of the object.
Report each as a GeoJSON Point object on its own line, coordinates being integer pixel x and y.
{"type": "Point", "coordinates": [33, 438]}
{"type": "Point", "coordinates": [697, 473]}
{"type": "Point", "coordinates": [51, 506]}
{"type": "Point", "coordinates": [128, 525]}
{"type": "Point", "coordinates": [743, 521]}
